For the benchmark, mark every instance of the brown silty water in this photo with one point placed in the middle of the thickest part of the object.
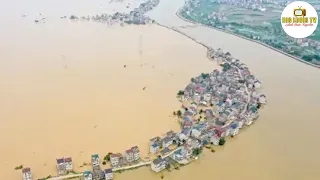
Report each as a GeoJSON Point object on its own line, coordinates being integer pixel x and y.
{"type": "Point", "coordinates": [64, 91]}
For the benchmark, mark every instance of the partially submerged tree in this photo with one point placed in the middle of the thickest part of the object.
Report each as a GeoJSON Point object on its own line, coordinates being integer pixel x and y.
{"type": "Point", "coordinates": [222, 141]}
{"type": "Point", "coordinates": [180, 93]}
{"type": "Point", "coordinates": [179, 113]}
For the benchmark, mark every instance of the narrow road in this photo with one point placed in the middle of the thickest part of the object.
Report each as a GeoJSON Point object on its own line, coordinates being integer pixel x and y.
{"type": "Point", "coordinates": [167, 155]}
{"type": "Point", "coordinates": [133, 166]}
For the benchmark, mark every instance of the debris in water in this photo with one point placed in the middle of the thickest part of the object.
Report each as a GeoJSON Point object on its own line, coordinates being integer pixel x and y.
{"type": "Point", "coordinates": [125, 66]}
{"type": "Point", "coordinates": [144, 88]}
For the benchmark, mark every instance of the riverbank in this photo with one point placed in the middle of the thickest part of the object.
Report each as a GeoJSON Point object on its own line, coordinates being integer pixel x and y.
{"type": "Point", "coordinates": [243, 37]}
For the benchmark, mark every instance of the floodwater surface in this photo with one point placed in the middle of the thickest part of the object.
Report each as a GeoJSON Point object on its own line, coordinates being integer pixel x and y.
{"type": "Point", "coordinates": [64, 91]}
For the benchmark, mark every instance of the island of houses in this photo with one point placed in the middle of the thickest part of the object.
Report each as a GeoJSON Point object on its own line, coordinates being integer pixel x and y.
{"type": "Point", "coordinates": [214, 106]}
{"type": "Point", "coordinates": [136, 16]}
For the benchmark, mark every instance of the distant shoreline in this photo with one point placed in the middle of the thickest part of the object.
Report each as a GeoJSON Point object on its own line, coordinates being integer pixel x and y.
{"type": "Point", "coordinates": [258, 42]}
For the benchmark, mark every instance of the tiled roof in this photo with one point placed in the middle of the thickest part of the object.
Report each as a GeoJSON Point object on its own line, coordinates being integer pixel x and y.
{"type": "Point", "coordinates": [157, 161]}
{"type": "Point", "coordinates": [61, 160]}
{"type": "Point", "coordinates": [69, 159]}
{"type": "Point", "coordinates": [95, 156]}
{"type": "Point", "coordinates": [26, 170]}
{"type": "Point", "coordinates": [115, 155]}
{"type": "Point", "coordinates": [107, 171]}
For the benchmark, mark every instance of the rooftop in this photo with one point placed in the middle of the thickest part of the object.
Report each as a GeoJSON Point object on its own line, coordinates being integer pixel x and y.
{"type": "Point", "coordinates": [68, 159]}
{"type": "Point", "coordinates": [157, 161]}
{"type": "Point", "coordinates": [95, 156]}
{"type": "Point", "coordinates": [26, 170]}
{"type": "Point", "coordinates": [107, 171]}
{"type": "Point", "coordinates": [60, 161]}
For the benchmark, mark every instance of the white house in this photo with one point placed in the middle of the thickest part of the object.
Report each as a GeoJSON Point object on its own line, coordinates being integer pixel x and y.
{"type": "Point", "coordinates": [154, 148]}
{"type": "Point", "coordinates": [215, 139]}
{"type": "Point", "coordinates": [136, 153]}
{"type": "Point", "coordinates": [227, 131]}
{"type": "Point", "coordinates": [158, 165]}
{"type": "Point", "coordinates": [61, 167]}
{"type": "Point", "coordinates": [196, 98]}
{"type": "Point", "coordinates": [182, 137]}
{"type": "Point", "coordinates": [115, 159]}
{"type": "Point", "coordinates": [167, 141]}
{"type": "Point", "coordinates": [241, 122]}
{"type": "Point", "coordinates": [249, 120]}
{"type": "Point", "coordinates": [234, 129]}
{"type": "Point", "coordinates": [68, 164]}
{"type": "Point", "coordinates": [108, 174]}
{"type": "Point", "coordinates": [195, 133]}
{"type": "Point", "coordinates": [262, 99]}
{"type": "Point", "coordinates": [207, 97]}
{"type": "Point", "coordinates": [257, 84]}
{"type": "Point", "coordinates": [87, 175]}
{"type": "Point", "coordinates": [129, 155]}
{"type": "Point", "coordinates": [95, 160]}
{"type": "Point", "coordinates": [26, 173]}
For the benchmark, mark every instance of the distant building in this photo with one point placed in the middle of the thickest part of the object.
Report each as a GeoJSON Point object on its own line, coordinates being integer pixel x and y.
{"type": "Point", "coordinates": [129, 155]}
{"type": "Point", "coordinates": [26, 174]}
{"type": "Point", "coordinates": [234, 129]}
{"type": "Point", "coordinates": [68, 164]}
{"type": "Point", "coordinates": [108, 173]}
{"type": "Point", "coordinates": [158, 165]}
{"type": "Point", "coordinates": [154, 148]}
{"type": "Point", "coordinates": [87, 175]}
{"type": "Point", "coordinates": [115, 159]}
{"type": "Point", "coordinates": [95, 160]}
{"type": "Point", "coordinates": [167, 141]}
{"type": "Point", "coordinates": [215, 139]}
{"type": "Point", "coordinates": [136, 153]}
{"type": "Point", "coordinates": [61, 167]}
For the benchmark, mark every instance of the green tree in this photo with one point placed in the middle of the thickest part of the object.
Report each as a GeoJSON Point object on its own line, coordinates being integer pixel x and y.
{"type": "Point", "coordinates": [222, 141]}
{"type": "Point", "coordinates": [196, 151]}
{"type": "Point", "coordinates": [107, 157]}
{"type": "Point", "coordinates": [179, 113]}
{"type": "Point", "coordinates": [180, 93]}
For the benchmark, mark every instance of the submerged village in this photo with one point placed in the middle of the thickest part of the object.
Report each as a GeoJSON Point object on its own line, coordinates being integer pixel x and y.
{"type": "Point", "coordinates": [214, 107]}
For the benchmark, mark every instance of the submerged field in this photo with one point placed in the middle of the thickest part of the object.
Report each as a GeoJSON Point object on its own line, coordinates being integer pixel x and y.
{"type": "Point", "coordinates": [263, 26]}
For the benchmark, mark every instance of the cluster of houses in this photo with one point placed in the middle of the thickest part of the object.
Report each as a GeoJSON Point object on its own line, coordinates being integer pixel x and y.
{"type": "Point", "coordinates": [214, 106]}
{"type": "Point", "coordinates": [64, 166]}
{"type": "Point", "coordinates": [136, 16]}
{"type": "Point", "coordinates": [129, 157]}
{"type": "Point", "coordinates": [177, 146]}
{"type": "Point", "coordinates": [218, 104]}
{"type": "Point", "coordinates": [97, 173]}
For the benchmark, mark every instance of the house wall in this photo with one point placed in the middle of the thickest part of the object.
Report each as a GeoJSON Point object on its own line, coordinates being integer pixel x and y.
{"type": "Point", "coordinates": [136, 156]}
{"type": "Point", "coordinates": [114, 161]}
{"type": "Point", "coordinates": [154, 149]}
{"type": "Point", "coordinates": [109, 176]}
{"type": "Point", "coordinates": [167, 144]}
{"type": "Point", "coordinates": [27, 176]}
{"type": "Point", "coordinates": [158, 168]}
{"type": "Point", "coordinates": [69, 166]}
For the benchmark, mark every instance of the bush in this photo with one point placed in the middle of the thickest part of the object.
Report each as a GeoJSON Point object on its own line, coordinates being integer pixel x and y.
{"type": "Point", "coordinates": [18, 167]}
{"type": "Point", "coordinates": [222, 141]}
